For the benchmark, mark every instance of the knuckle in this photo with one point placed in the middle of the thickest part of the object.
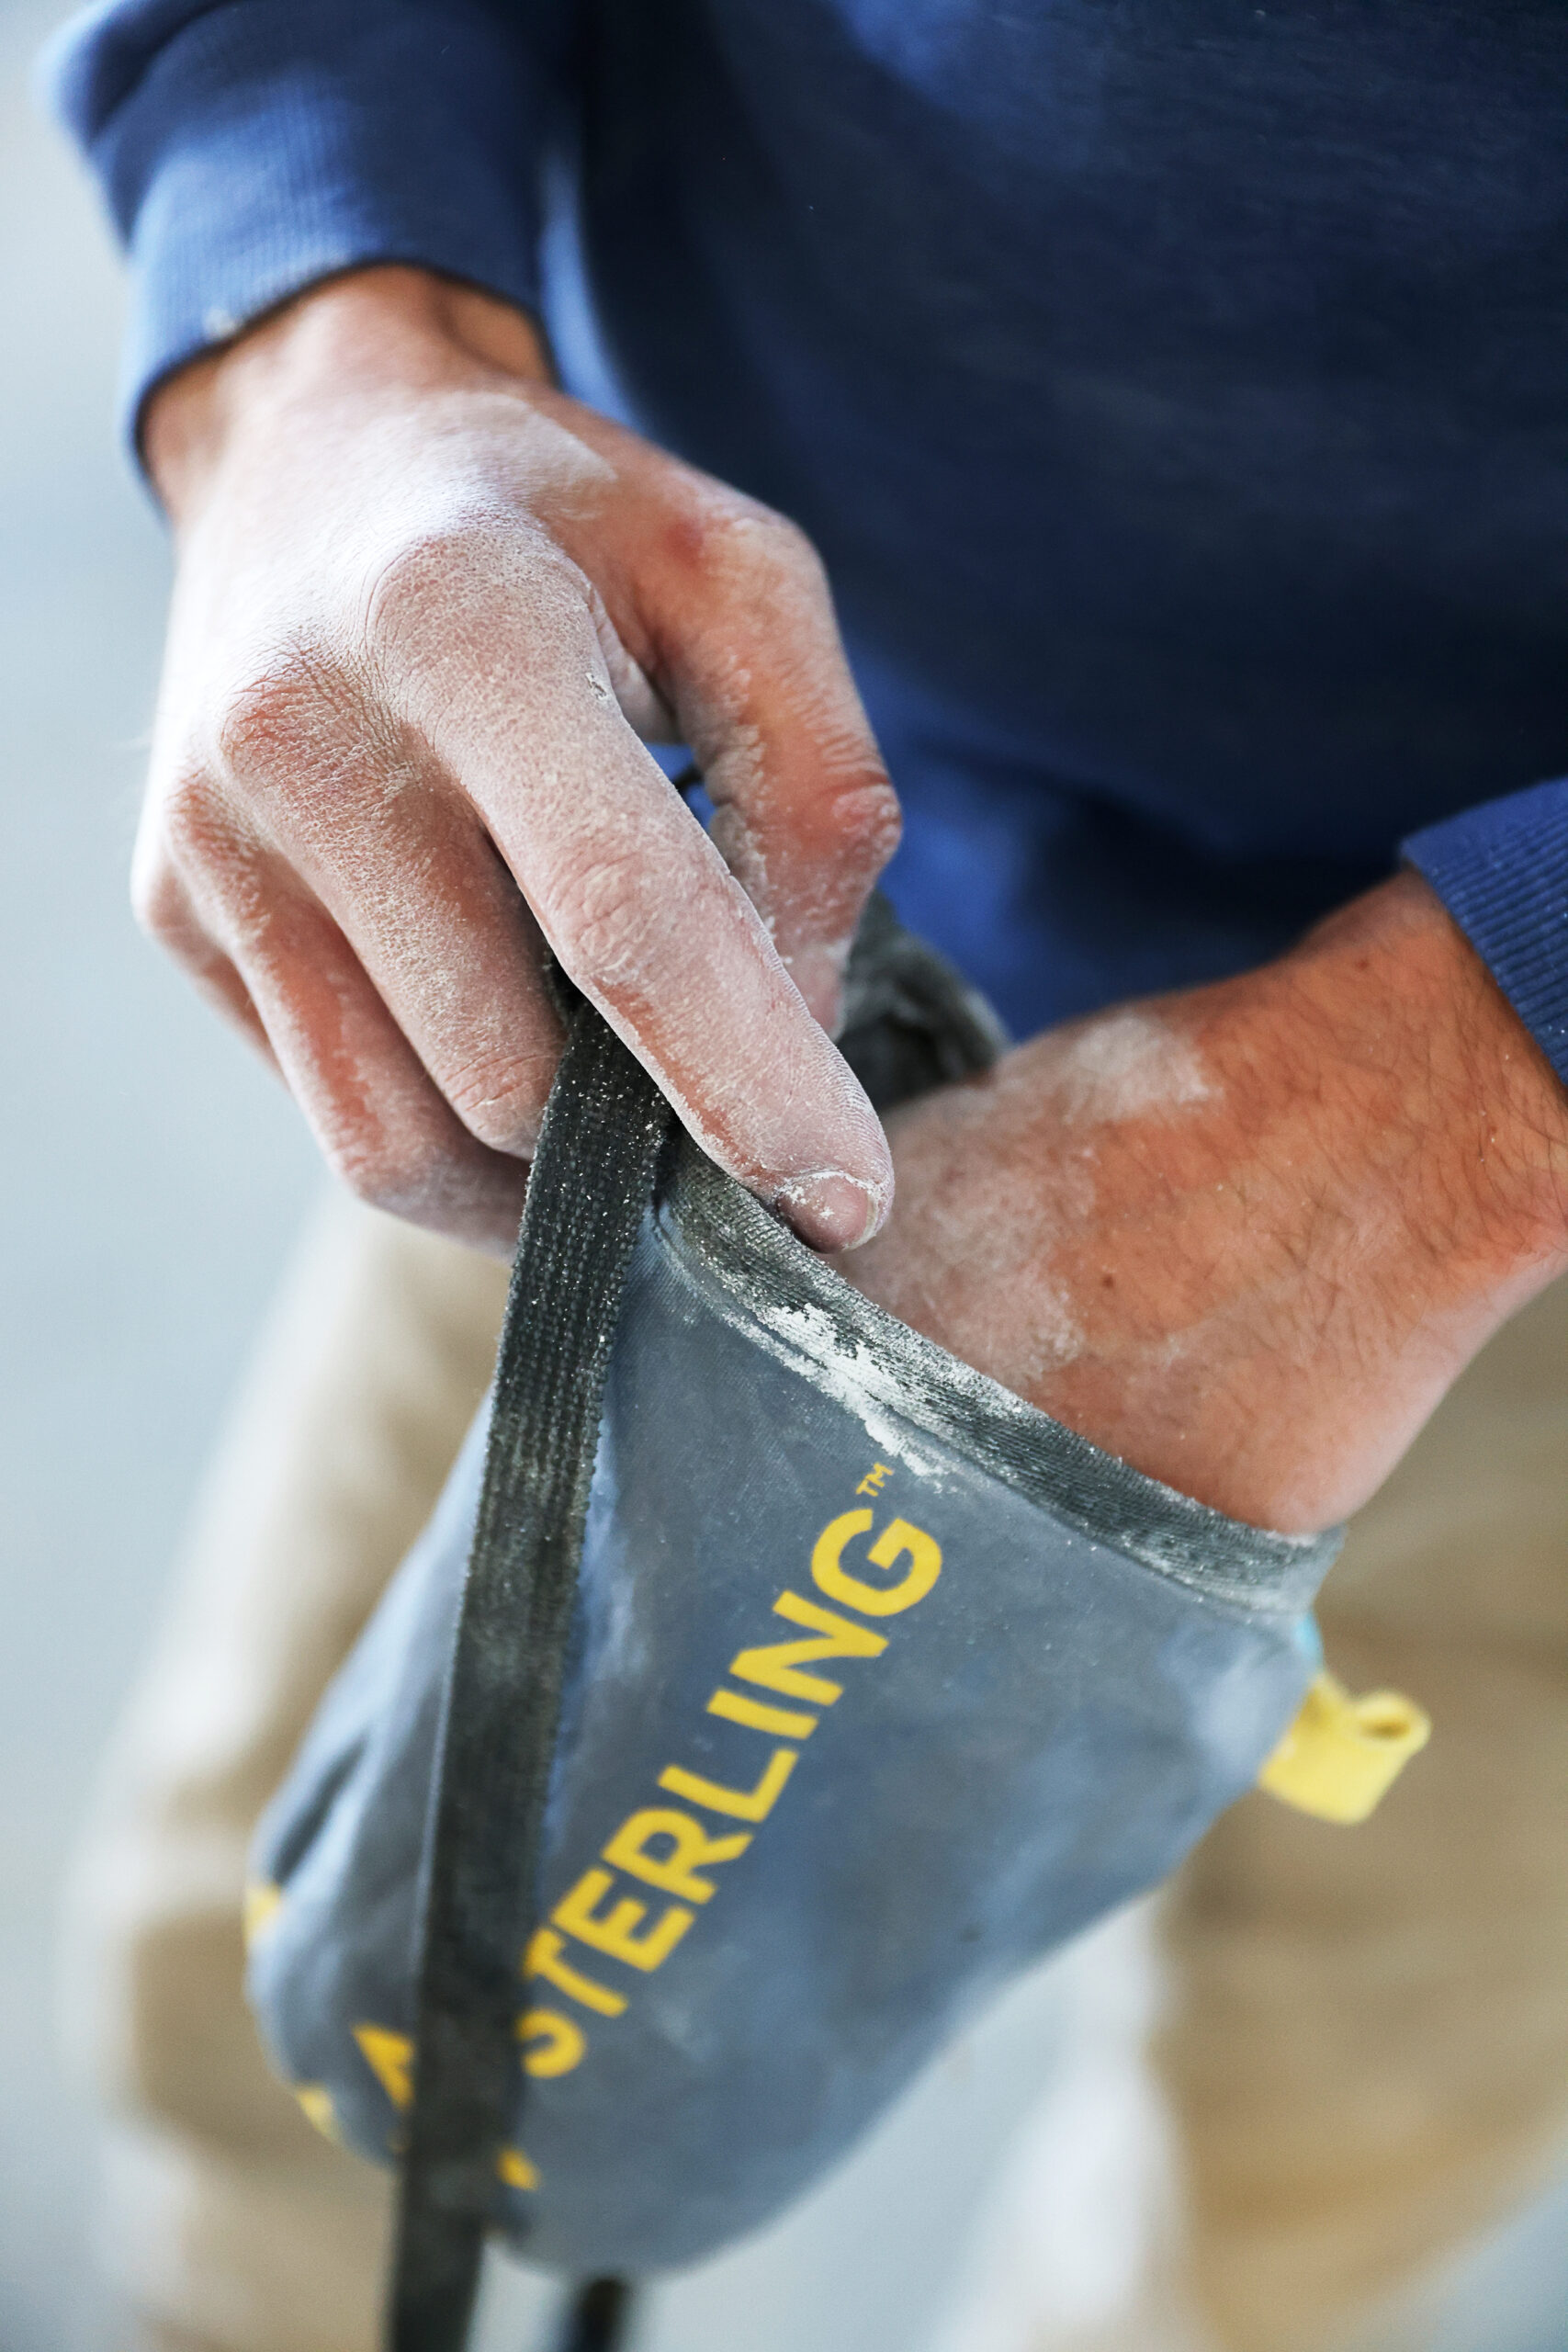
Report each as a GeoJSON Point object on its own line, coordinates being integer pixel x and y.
{"type": "Point", "coordinates": [435, 575]}
{"type": "Point", "coordinates": [613, 923]}
{"type": "Point", "coordinates": [431, 1183]}
{"type": "Point", "coordinates": [782, 546]}
{"type": "Point", "coordinates": [723, 535]}
{"type": "Point", "coordinates": [397, 1175]}
{"type": "Point", "coordinates": [413, 577]}
{"type": "Point", "coordinates": [500, 1098]}
{"type": "Point", "coordinates": [189, 818]}
{"type": "Point", "coordinates": [269, 718]}
{"type": "Point", "coordinates": [198, 837]}
{"type": "Point", "coordinates": [865, 818]}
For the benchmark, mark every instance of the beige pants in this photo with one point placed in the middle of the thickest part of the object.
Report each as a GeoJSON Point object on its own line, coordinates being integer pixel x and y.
{"type": "Point", "coordinates": [1365, 2055]}
{"type": "Point", "coordinates": [1367, 2045]}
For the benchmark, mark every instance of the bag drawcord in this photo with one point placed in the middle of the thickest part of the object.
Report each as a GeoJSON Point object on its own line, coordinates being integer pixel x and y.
{"type": "Point", "coordinates": [591, 1183]}
{"type": "Point", "coordinates": [597, 2320]}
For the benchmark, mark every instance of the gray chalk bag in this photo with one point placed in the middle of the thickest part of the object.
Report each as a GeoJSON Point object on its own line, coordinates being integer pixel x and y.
{"type": "Point", "coordinates": [768, 1690]}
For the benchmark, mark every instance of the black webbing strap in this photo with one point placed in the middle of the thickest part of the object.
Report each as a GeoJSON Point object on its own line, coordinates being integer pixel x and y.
{"type": "Point", "coordinates": [591, 1179]}
{"type": "Point", "coordinates": [597, 2317]}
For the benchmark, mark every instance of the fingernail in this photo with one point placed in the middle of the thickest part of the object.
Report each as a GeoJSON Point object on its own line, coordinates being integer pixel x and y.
{"type": "Point", "coordinates": [832, 1211]}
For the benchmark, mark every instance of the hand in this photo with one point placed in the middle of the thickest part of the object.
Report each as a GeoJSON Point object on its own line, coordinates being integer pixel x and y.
{"type": "Point", "coordinates": [1246, 1235]}
{"type": "Point", "coordinates": [426, 606]}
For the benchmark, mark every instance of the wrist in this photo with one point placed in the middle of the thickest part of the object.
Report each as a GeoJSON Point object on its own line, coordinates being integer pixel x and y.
{"type": "Point", "coordinates": [1246, 1236]}
{"type": "Point", "coordinates": [371, 326]}
{"type": "Point", "coordinates": [1439, 1090]}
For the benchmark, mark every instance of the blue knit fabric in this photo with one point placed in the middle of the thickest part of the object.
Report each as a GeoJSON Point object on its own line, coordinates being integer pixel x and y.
{"type": "Point", "coordinates": [1502, 871]}
{"type": "Point", "coordinates": [249, 150]}
{"type": "Point", "coordinates": [1178, 392]}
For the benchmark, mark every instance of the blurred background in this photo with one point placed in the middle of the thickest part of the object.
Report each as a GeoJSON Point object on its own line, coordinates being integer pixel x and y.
{"type": "Point", "coordinates": [152, 1171]}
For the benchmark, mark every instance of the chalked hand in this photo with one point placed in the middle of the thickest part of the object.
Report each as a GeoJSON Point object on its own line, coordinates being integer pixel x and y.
{"type": "Point", "coordinates": [429, 612]}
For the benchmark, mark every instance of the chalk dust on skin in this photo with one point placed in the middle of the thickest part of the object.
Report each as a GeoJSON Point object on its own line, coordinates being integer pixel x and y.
{"type": "Point", "coordinates": [466, 682]}
{"type": "Point", "coordinates": [984, 1265]}
{"type": "Point", "coordinates": [1126, 1065]}
{"type": "Point", "coordinates": [641, 704]}
{"type": "Point", "coordinates": [819, 1098]}
{"type": "Point", "coordinates": [851, 1210]}
{"type": "Point", "coordinates": [1000, 1175]}
{"type": "Point", "coordinates": [827, 1205]}
{"type": "Point", "coordinates": [809, 898]}
{"type": "Point", "coordinates": [729, 1024]}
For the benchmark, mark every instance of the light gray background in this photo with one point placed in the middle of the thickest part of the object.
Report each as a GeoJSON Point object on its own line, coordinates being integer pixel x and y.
{"type": "Point", "coordinates": [151, 1170]}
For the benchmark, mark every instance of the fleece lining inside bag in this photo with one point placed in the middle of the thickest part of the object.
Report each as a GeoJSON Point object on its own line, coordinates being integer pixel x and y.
{"type": "Point", "coordinates": [874, 1685]}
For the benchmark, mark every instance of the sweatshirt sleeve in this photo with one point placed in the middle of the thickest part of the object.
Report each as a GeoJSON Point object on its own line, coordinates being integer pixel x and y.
{"type": "Point", "coordinates": [250, 148]}
{"type": "Point", "coordinates": [1502, 871]}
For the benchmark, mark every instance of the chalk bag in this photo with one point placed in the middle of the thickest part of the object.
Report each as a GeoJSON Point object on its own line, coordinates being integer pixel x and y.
{"type": "Point", "coordinates": [767, 1690]}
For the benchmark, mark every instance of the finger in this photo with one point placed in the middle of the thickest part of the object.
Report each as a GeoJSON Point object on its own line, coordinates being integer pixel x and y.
{"type": "Point", "coordinates": [725, 608]}
{"type": "Point", "coordinates": [806, 816]}
{"type": "Point", "coordinates": [639, 905]}
{"type": "Point", "coordinates": [165, 911]}
{"type": "Point", "coordinates": [379, 1120]}
{"type": "Point", "coordinates": [384, 839]}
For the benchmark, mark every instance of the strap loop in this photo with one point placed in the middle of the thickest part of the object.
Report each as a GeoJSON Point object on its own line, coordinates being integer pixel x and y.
{"type": "Point", "coordinates": [590, 1183]}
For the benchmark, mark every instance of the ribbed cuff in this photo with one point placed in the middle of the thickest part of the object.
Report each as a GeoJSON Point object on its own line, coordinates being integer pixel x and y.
{"type": "Point", "coordinates": [249, 150]}
{"type": "Point", "coordinates": [1502, 872]}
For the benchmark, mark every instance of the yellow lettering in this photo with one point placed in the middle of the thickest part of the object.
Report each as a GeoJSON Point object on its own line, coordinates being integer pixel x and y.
{"type": "Point", "coordinates": [544, 1958]}
{"type": "Point", "coordinates": [390, 2057]}
{"type": "Point", "coordinates": [783, 1722]}
{"type": "Point", "coordinates": [776, 1667]}
{"type": "Point", "coordinates": [616, 1933]}
{"type": "Point", "coordinates": [691, 1849]}
{"type": "Point", "coordinates": [517, 2170]}
{"type": "Point", "coordinates": [896, 1539]}
{"type": "Point", "coordinates": [872, 1482]}
{"type": "Point", "coordinates": [564, 2042]}
{"type": "Point", "coordinates": [744, 1804]}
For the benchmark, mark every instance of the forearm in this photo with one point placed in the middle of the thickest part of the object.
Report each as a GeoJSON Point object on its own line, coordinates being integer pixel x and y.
{"type": "Point", "coordinates": [1246, 1237]}
{"type": "Point", "coordinates": [1458, 1116]}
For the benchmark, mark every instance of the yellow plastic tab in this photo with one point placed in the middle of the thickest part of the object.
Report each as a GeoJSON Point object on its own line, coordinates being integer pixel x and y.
{"type": "Point", "coordinates": [1342, 1755]}
{"type": "Point", "coordinates": [317, 2103]}
{"type": "Point", "coordinates": [263, 1904]}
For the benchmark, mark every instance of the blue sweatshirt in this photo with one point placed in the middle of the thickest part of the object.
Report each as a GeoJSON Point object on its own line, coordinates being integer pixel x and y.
{"type": "Point", "coordinates": [1177, 390]}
